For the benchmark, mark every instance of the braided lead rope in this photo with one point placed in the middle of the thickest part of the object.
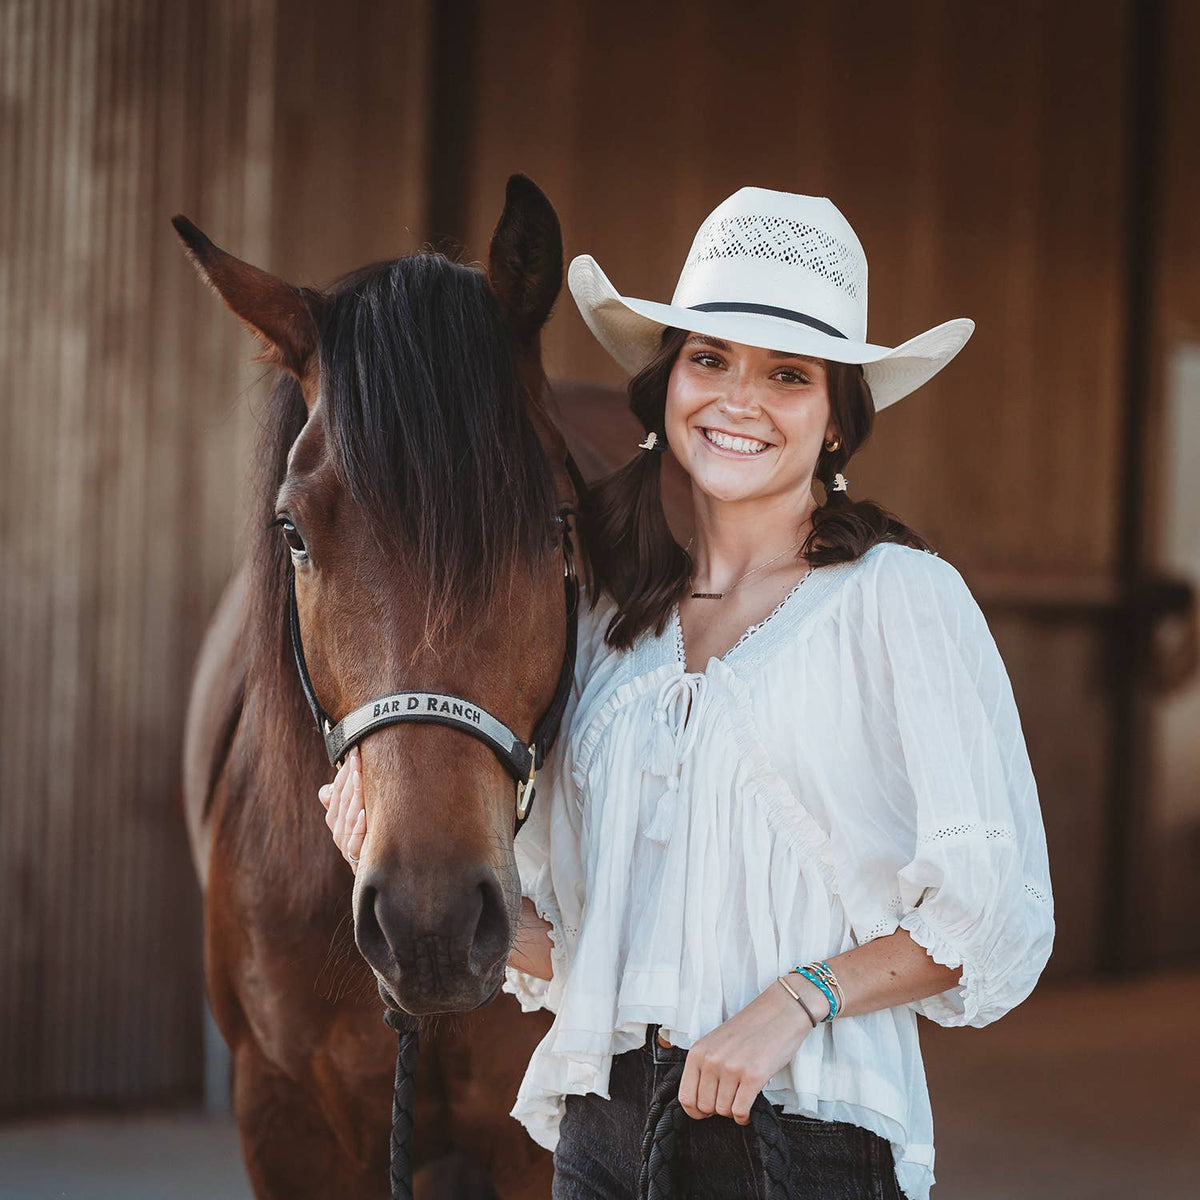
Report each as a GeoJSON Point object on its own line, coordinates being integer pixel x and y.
{"type": "Point", "coordinates": [660, 1139]}
{"type": "Point", "coordinates": [773, 1149]}
{"type": "Point", "coordinates": [665, 1125]}
{"type": "Point", "coordinates": [404, 1103]}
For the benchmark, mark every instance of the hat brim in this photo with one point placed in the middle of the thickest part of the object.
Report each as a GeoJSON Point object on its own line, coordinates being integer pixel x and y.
{"type": "Point", "coordinates": [631, 331]}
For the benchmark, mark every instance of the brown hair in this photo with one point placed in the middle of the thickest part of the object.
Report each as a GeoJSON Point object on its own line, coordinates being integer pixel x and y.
{"type": "Point", "coordinates": [634, 555]}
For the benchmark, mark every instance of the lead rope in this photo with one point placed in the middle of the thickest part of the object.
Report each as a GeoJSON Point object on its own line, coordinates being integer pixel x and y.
{"type": "Point", "coordinates": [404, 1104]}
{"type": "Point", "coordinates": [665, 1124]}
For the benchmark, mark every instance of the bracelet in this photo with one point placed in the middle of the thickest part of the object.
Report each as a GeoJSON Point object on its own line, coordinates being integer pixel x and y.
{"type": "Point", "coordinates": [825, 971]}
{"type": "Point", "coordinates": [832, 980]}
{"type": "Point", "coordinates": [821, 975]}
{"type": "Point", "coordinates": [791, 991]}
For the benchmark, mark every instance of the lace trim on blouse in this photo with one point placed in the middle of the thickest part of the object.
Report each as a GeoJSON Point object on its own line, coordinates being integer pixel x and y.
{"type": "Point", "coordinates": [681, 651]}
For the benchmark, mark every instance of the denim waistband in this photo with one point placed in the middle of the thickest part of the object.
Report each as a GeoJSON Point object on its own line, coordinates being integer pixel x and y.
{"type": "Point", "coordinates": [662, 1054]}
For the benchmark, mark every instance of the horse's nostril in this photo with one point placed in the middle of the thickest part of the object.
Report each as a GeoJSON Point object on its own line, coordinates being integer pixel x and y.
{"type": "Point", "coordinates": [368, 932]}
{"type": "Point", "coordinates": [491, 933]}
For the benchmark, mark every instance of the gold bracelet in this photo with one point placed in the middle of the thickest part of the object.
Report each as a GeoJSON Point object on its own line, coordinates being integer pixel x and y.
{"type": "Point", "coordinates": [791, 991]}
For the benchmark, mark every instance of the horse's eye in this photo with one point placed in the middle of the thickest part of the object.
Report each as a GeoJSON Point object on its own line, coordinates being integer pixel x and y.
{"type": "Point", "coordinates": [291, 535]}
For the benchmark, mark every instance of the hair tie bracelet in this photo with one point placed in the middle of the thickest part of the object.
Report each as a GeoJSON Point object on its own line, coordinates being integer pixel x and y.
{"type": "Point", "coordinates": [825, 971]}
{"type": "Point", "coordinates": [821, 974]}
{"type": "Point", "coordinates": [654, 442]}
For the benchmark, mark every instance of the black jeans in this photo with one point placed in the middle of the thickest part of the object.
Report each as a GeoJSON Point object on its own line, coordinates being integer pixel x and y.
{"type": "Point", "coordinates": [599, 1149]}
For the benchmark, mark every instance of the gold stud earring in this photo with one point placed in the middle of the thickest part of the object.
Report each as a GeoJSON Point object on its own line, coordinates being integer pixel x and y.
{"type": "Point", "coordinates": [831, 446]}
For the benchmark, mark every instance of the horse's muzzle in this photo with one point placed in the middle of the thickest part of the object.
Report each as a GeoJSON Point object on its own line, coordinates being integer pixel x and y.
{"type": "Point", "coordinates": [436, 945]}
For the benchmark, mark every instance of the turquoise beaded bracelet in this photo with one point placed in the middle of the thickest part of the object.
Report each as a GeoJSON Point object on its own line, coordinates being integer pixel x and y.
{"type": "Point", "coordinates": [813, 973]}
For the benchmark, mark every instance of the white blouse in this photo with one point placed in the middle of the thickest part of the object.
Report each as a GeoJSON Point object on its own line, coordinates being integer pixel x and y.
{"type": "Point", "coordinates": [854, 764]}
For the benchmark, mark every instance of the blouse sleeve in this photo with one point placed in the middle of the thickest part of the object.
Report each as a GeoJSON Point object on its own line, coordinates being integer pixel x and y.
{"type": "Point", "coordinates": [548, 849]}
{"type": "Point", "coordinates": [973, 884]}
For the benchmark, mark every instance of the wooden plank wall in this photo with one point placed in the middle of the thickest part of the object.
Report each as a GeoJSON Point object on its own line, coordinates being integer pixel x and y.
{"type": "Point", "coordinates": [1173, 811]}
{"type": "Point", "coordinates": [979, 153]}
{"type": "Point", "coordinates": [116, 516]}
{"type": "Point", "coordinates": [129, 405]}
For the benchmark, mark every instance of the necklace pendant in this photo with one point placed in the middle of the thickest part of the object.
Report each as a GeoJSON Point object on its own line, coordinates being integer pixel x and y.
{"type": "Point", "coordinates": [707, 595]}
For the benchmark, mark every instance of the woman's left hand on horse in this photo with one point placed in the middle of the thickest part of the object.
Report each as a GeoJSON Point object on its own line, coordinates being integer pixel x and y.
{"type": "Point", "coordinates": [727, 1068]}
{"type": "Point", "coordinates": [344, 811]}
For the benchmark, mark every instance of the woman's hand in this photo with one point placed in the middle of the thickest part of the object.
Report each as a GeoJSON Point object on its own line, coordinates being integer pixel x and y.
{"type": "Point", "coordinates": [531, 947]}
{"type": "Point", "coordinates": [344, 812]}
{"type": "Point", "coordinates": [726, 1069]}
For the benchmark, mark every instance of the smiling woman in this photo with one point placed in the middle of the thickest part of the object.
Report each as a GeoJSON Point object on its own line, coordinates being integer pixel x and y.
{"type": "Point", "coordinates": [793, 806]}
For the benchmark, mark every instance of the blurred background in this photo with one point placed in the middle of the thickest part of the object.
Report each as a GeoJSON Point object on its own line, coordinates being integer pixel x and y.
{"type": "Point", "coordinates": [1029, 164]}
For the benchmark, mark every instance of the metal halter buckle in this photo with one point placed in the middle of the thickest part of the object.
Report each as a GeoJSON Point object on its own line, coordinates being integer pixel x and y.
{"type": "Point", "coordinates": [525, 787]}
{"type": "Point", "coordinates": [340, 762]}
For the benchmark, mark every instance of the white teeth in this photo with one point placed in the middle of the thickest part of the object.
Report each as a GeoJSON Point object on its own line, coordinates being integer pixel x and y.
{"type": "Point", "coordinates": [741, 445]}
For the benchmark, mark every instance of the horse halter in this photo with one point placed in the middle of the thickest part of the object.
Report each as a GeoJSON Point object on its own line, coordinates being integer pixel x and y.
{"type": "Point", "coordinates": [445, 708]}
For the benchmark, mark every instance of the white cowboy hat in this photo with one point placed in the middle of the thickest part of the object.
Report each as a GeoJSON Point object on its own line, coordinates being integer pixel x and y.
{"type": "Point", "coordinates": [774, 270]}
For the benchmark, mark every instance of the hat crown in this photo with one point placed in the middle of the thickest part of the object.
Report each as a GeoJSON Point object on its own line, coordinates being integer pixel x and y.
{"type": "Point", "coordinates": [783, 251]}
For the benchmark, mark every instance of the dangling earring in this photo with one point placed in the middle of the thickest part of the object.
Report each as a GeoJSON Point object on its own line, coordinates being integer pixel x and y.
{"type": "Point", "coordinates": [833, 445]}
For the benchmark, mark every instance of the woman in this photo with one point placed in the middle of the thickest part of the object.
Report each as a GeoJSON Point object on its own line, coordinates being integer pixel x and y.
{"type": "Point", "coordinates": [791, 806]}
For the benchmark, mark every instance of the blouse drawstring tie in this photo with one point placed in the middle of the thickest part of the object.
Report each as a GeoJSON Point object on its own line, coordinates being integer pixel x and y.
{"type": "Point", "coordinates": [672, 739]}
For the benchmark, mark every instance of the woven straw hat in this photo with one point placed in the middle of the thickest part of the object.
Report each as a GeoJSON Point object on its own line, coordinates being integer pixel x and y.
{"type": "Point", "coordinates": [774, 270]}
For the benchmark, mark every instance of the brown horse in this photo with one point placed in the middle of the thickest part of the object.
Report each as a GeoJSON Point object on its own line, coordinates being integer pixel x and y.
{"type": "Point", "coordinates": [409, 451]}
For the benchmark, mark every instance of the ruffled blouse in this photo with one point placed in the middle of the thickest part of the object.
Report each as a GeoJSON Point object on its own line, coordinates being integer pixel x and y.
{"type": "Point", "coordinates": [853, 765]}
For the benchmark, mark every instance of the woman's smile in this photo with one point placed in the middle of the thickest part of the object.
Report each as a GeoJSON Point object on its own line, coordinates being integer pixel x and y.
{"type": "Point", "coordinates": [733, 445]}
{"type": "Point", "coordinates": [737, 403]}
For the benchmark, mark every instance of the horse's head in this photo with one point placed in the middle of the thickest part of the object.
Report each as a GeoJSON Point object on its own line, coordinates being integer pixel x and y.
{"type": "Point", "coordinates": [417, 507]}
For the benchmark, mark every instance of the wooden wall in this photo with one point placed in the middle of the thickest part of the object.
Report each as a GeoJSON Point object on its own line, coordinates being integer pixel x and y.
{"type": "Point", "coordinates": [980, 151]}
{"type": "Point", "coordinates": [128, 408]}
{"type": "Point", "coordinates": [1171, 857]}
{"type": "Point", "coordinates": [116, 516]}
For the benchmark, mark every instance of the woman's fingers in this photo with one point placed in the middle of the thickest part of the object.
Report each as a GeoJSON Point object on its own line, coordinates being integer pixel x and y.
{"type": "Point", "coordinates": [350, 810]}
{"type": "Point", "coordinates": [727, 1090]}
{"type": "Point", "coordinates": [344, 801]}
{"type": "Point", "coordinates": [689, 1085]}
{"type": "Point", "coordinates": [357, 834]}
{"type": "Point", "coordinates": [336, 792]}
{"type": "Point", "coordinates": [743, 1102]}
{"type": "Point", "coordinates": [352, 814]}
{"type": "Point", "coordinates": [344, 812]}
{"type": "Point", "coordinates": [711, 1086]}
{"type": "Point", "coordinates": [706, 1092]}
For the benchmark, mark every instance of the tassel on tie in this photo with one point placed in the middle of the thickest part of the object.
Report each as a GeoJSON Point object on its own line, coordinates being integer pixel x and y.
{"type": "Point", "coordinates": [676, 717]}
{"type": "Point", "coordinates": [663, 821]}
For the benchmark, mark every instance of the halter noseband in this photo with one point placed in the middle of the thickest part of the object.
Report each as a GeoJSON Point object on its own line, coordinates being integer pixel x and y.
{"type": "Point", "coordinates": [444, 708]}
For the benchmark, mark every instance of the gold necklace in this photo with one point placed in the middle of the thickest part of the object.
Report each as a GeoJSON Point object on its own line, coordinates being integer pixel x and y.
{"type": "Point", "coordinates": [761, 566]}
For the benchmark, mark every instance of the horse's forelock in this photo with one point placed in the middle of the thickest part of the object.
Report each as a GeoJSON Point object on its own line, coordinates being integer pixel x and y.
{"type": "Point", "coordinates": [429, 433]}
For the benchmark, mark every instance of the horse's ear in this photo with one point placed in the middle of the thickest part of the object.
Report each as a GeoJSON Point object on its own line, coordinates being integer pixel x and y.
{"type": "Point", "coordinates": [278, 314]}
{"type": "Point", "coordinates": [525, 264]}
